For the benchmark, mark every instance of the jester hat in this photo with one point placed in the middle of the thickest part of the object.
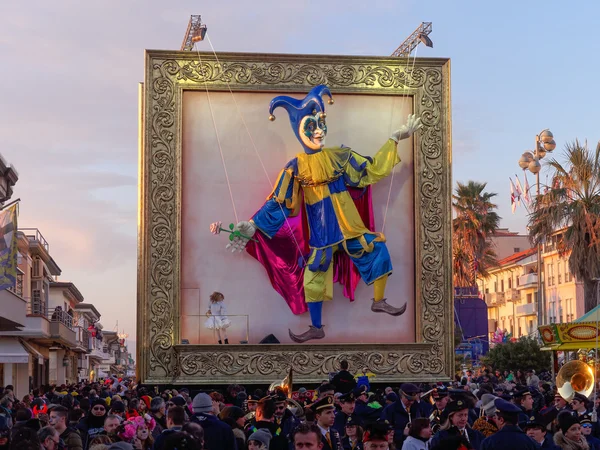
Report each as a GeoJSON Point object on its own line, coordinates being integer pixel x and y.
{"type": "Point", "coordinates": [300, 108]}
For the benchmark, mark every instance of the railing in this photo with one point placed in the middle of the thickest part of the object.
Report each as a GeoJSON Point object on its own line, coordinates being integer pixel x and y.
{"type": "Point", "coordinates": [37, 307]}
{"type": "Point", "coordinates": [526, 310]}
{"type": "Point", "coordinates": [513, 295]}
{"type": "Point", "coordinates": [528, 279]}
{"type": "Point", "coordinates": [62, 317]}
{"type": "Point", "coordinates": [34, 235]}
{"type": "Point", "coordinates": [18, 287]}
{"type": "Point", "coordinates": [84, 338]}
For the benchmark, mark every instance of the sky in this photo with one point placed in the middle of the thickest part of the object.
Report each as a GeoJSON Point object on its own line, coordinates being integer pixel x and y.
{"type": "Point", "coordinates": [68, 100]}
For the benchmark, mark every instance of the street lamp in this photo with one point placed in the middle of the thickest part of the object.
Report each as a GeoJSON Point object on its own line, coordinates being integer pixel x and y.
{"type": "Point", "coordinates": [544, 143]}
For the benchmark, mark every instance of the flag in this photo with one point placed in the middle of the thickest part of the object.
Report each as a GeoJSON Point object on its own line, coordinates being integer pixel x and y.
{"type": "Point", "coordinates": [513, 198]}
{"type": "Point", "coordinates": [8, 247]}
{"type": "Point", "coordinates": [526, 196]}
{"type": "Point", "coordinates": [518, 189]}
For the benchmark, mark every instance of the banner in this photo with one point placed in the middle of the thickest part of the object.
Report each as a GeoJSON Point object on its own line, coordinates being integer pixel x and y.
{"type": "Point", "coordinates": [8, 247]}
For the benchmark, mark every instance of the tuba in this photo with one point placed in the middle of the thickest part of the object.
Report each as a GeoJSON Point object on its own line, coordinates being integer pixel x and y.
{"type": "Point", "coordinates": [575, 377]}
{"type": "Point", "coordinates": [285, 386]}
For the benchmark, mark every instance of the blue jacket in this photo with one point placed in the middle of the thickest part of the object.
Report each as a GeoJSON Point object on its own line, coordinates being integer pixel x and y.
{"type": "Point", "coordinates": [509, 437]}
{"type": "Point", "coordinates": [340, 422]}
{"type": "Point", "coordinates": [593, 442]}
{"type": "Point", "coordinates": [474, 436]}
{"type": "Point", "coordinates": [397, 416]}
{"type": "Point", "coordinates": [217, 435]}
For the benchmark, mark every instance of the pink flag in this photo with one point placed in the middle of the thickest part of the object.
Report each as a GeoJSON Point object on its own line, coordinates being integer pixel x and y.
{"type": "Point", "coordinates": [518, 189]}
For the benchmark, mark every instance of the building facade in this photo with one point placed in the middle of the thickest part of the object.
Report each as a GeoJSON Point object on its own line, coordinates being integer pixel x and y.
{"type": "Point", "coordinates": [511, 290]}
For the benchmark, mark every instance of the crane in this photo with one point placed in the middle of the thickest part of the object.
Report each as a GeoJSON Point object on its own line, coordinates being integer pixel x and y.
{"type": "Point", "coordinates": [195, 32]}
{"type": "Point", "coordinates": [421, 34]}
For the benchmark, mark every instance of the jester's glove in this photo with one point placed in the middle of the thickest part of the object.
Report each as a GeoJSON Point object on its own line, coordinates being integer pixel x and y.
{"type": "Point", "coordinates": [413, 124]}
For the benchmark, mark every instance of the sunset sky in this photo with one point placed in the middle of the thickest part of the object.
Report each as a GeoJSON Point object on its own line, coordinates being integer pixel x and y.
{"type": "Point", "coordinates": [68, 100]}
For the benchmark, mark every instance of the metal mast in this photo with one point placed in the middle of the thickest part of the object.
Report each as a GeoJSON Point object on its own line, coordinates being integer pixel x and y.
{"type": "Point", "coordinates": [419, 35]}
{"type": "Point", "coordinates": [195, 32]}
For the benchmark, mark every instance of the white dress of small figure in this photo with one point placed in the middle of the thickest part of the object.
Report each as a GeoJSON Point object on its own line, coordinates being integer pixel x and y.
{"type": "Point", "coordinates": [217, 317]}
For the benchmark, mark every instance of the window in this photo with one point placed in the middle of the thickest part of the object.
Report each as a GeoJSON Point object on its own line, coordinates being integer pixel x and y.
{"type": "Point", "coordinates": [530, 326]}
{"type": "Point", "coordinates": [517, 281]}
{"type": "Point", "coordinates": [516, 249]}
{"type": "Point", "coordinates": [510, 282]}
{"type": "Point", "coordinates": [550, 275]}
{"type": "Point", "coordinates": [495, 286]}
{"type": "Point", "coordinates": [529, 298]}
{"type": "Point", "coordinates": [501, 285]}
{"type": "Point", "coordinates": [559, 273]}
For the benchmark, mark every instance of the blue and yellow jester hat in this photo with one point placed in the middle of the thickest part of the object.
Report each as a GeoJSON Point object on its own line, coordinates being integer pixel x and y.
{"type": "Point", "coordinates": [300, 108]}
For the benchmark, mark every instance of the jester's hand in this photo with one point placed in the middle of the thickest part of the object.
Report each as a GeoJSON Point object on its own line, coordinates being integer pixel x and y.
{"type": "Point", "coordinates": [240, 240]}
{"type": "Point", "coordinates": [413, 124]}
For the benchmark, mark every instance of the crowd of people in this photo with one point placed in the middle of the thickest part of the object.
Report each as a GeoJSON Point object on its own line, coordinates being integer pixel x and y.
{"type": "Point", "coordinates": [484, 410]}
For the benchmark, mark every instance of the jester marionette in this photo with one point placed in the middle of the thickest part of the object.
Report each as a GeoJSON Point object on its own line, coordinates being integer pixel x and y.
{"type": "Point", "coordinates": [334, 223]}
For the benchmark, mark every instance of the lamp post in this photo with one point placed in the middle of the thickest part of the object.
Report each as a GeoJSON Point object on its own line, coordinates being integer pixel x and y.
{"type": "Point", "coordinates": [530, 160]}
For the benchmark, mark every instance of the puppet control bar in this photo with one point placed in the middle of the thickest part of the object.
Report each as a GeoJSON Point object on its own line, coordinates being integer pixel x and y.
{"type": "Point", "coordinates": [421, 34]}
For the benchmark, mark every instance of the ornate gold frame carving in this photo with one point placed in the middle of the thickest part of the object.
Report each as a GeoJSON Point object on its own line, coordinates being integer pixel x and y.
{"type": "Point", "coordinates": [160, 357]}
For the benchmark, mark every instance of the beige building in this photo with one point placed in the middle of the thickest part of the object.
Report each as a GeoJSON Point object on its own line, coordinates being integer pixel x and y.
{"type": "Point", "coordinates": [511, 290]}
{"type": "Point", "coordinates": [508, 243]}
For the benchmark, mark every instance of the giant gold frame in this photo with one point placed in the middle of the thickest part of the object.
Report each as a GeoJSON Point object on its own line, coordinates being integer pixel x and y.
{"type": "Point", "coordinates": [161, 359]}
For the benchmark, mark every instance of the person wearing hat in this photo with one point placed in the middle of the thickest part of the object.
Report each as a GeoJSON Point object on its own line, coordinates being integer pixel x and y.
{"type": "Point", "coordinates": [217, 435]}
{"type": "Point", "coordinates": [375, 437]}
{"type": "Point", "coordinates": [579, 405]}
{"type": "Point", "coordinates": [524, 400]}
{"type": "Point", "coordinates": [265, 418]}
{"type": "Point", "coordinates": [441, 399]}
{"type": "Point", "coordinates": [352, 435]}
{"type": "Point", "coordinates": [569, 436]}
{"type": "Point", "coordinates": [486, 424]}
{"type": "Point", "coordinates": [346, 412]}
{"type": "Point", "coordinates": [455, 421]}
{"type": "Point", "coordinates": [285, 420]}
{"type": "Point", "coordinates": [362, 409]}
{"type": "Point", "coordinates": [259, 440]}
{"type": "Point", "coordinates": [93, 424]}
{"type": "Point", "coordinates": [401, 413]}
{"type": "Point", "coordinates": [535, 428]}
{"type": "Point", "coordinates": [509, 435]}
{"type": "Point", "coordinates": [324, 411]}
{"type": "Point", "coordinates": [586, 431]}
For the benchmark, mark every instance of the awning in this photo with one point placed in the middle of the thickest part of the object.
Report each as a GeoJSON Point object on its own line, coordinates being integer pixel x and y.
{"type": "Point", "coordinates": [12, 352]}
{"type": "Point", "coordinates": [593, 315]}
{"type": "Point", "coordinates": [33, 352]}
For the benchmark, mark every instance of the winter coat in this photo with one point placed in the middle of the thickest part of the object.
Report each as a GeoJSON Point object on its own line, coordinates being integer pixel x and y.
{"type": "Point", "coordinates": [568, 444]}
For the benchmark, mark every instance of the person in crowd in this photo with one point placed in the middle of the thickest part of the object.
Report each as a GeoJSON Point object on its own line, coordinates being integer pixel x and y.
{"type": "Point", "coordinates": [324, 411]}
{"type": "Point", "coordinates": [343, 381]}
{"type": "Point", "coordinates": [93, 423]}
{"type": "Point", "coordinates": [260, 440]}
{"type": "Point", "coordinates": [285, 420]}
{"type": "Point", "coordinates": [175, 423]}
{"type": "Point", "coordinates": [376, 437]}
{"type": "Point", "coordinates": [401, 413]}
{"type": "Point", "coordinates": [419, 435]}
{"type": "Point", "coordinates": [509, 435]}
{"type": "Point", "coordinates": [586, 431]}
{"type": "Point", "coordinates": [307, 436]}
{"type": "Point", "coordinates": [25, 438]}
{"type": "Point", "coordinates": [49, 438]}
{"type": "Point", "coordinates": [217, 435]}
{"type": "Point", "coordinates": [346, 412]}
{"type": "Point", "coordinates": [138, 432]}
{"type": "Point", "coordinates": [486, 424]}
{"type": "Point", "coordinates": [569, 436]}
{"type": "Point", "coordinates": [157, 411]}
{"type": "Point", "coordinates": [441, 399]}
{"type": "Point", "coordinates": [6, 405]}
{"type": "Point", "coordinates": [58, 418]}
{"type": "Point", "coordinates": [536, 429]}
{"type": "Point", "coordinates": [579, 405]}
{"type": "Point", "coordinates": [4, 434]}
{"type": "Point", "coordinates": [524, 400]}
{"type": "Point", "coordinates": [455, 421]}
{"type": "Point", "coordinates": [234, 417]}
{"type": "Point", "coordinates": [352, 435]}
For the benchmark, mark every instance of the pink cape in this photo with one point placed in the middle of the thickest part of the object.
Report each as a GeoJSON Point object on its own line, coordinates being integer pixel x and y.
{"type": "Point", "coordinates": [280, 256]}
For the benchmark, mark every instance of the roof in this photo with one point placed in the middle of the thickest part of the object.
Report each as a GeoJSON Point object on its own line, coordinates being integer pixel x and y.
{"type": "Point", "coordinates": [70, 286]}
{"type": "Point", "coordinates": [592, 315]}
{"type": "Point", "coordinates": [88, 306]}
{"type": "Point", "coordinates": [501, 232]}
{"type": "Point", "coordinates": [515, 257]}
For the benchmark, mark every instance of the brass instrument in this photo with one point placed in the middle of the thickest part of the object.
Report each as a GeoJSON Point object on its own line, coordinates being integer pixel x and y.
{"type": "Point", "coordinates": [575, 377]}
{"type": "Point", "coordinates": [285, 386]}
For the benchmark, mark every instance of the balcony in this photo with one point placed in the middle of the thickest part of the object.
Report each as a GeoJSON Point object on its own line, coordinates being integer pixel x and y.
{"type": "Point", "coordinates": [512, 295]}
{"type": "Point", "coordinates": [36, 239]}
{"type": "Point", "coordinates": [61, 328]}
{"type": "Point", "coordinates": [528, 281]}
{"type": "Point", "coordinates": [13, 311]}
{"type": "Point", "coordinates": [528, 309]}
{"type": "Point", "coordinates": [82, 337]}
{"type": "Point", "coordinates": [36, 325]}
{"type": "Point", "coordinates": [495, 298]}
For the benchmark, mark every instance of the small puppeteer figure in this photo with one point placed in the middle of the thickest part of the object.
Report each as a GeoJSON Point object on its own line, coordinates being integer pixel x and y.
{"type": "Point", "coordinates": [217, 317]}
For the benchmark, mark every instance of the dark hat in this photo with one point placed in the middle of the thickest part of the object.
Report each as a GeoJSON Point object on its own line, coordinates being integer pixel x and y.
{"type": "Point", "coordinates": [387, 424]}
{"type": "Point", "coordinates": [323, 404]}
{"type": "Point", "coordinates": [360, 391]}
{"type": "Point", "coordinates": [522, 393]}
{"type": "Point", "coordinates": [252, 399]}
{"type": "Point", "coordinates": [347, 398]}
{"type": "Point", "coordinates": [506, 407]}
{"type": "Point", "coordinates": [391, 397]}
{"type": "Point", "coordinates": [586, 418]}
{"type": "Point", "coordinates": [566, 420]}
{"type": "Point", "coordinates": [117, 406]}
{"type": "Point", "coordinates": [452, 407]}
{"type": "Point", "coordinates": [535, 421]}
{"type": "Point", "coordinates": [351, 422]}
{"type": "Point", "coordinates": [376, 432]}
{"type": "Point", "coordinates": [409, 390]}
{"type": "Point", "coordinates": [99, 401]}
{"type": "Point", "coordinates": [580, 398]}
{"type": "Point", "coordinates": [178, 401]}
{"type": "Point", "coordinates": [279, 397]}
{"type": "Point", "coordinates": [439, 393]}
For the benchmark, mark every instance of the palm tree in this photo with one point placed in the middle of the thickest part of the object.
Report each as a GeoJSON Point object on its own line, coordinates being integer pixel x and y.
{"type": "Point", "coordinates": [572, 203]}
{"type": "Point", "coordinates": [475, 221]}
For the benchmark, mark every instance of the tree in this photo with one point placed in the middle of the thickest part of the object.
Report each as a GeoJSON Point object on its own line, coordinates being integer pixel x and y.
{"type": "Point", "coordinates": [523, 354]}
{"type": "Point", "coordinates": [572, 203]}
{"type": "Point", "coordinates": [475, 221]}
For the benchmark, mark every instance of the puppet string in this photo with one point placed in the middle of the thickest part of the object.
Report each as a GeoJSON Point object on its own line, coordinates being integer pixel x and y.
{"type": "Point", "coordinates": [387, 206]}
{"type": "Point", "coordinates": [239, 111]}
{"type": "Point", "coordinates": [212, 114]}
